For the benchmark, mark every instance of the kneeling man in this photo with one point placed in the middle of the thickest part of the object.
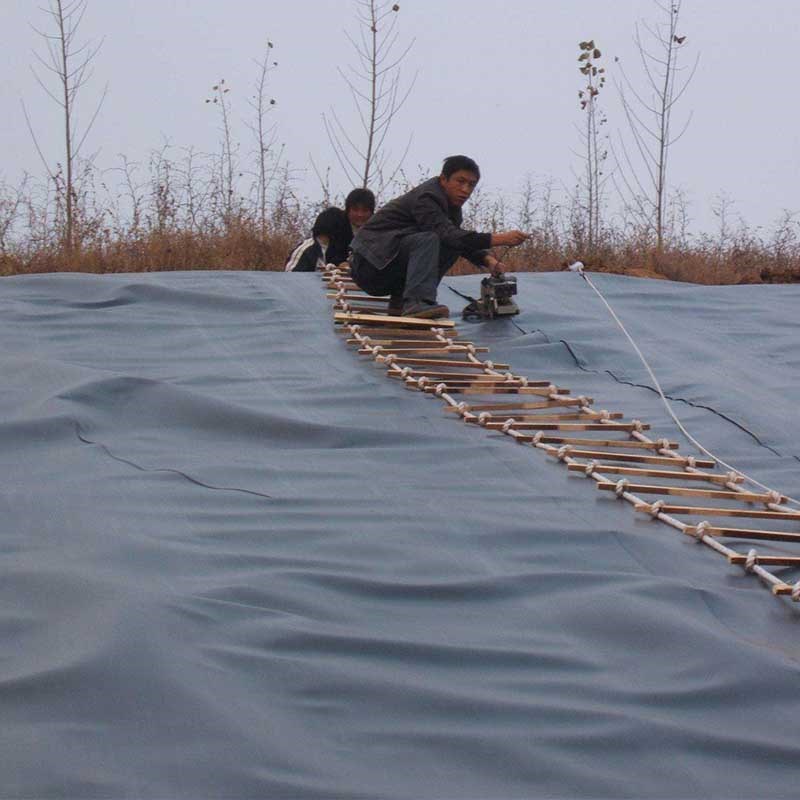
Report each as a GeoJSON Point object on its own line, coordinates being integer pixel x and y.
{"type": "Point", "coordinates": [407, 247]}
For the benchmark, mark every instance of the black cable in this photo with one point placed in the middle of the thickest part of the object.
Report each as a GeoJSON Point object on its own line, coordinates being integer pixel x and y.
{"type": "Point", "coordinates": [107, 451]}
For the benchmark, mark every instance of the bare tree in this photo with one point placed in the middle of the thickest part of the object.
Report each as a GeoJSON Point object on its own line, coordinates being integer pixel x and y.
{"type": "Point", "coordinates": [228, 155]}
{"type": "Point", "coordinates": [594, 150]}
{"type": "Point", "coordinates": [375, 87]}
{"type": "Point", "coordinates": [267, 161]}
{"type": "Point", "coordinates": [643, 167]}
{"type": "Point", "coordinates": [71, 64]}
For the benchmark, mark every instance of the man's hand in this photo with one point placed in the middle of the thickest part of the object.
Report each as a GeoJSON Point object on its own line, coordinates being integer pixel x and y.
{"type": "Point", "coordinates": [496, 266]}
{"type": "Point", "coordinates": [509, 238]}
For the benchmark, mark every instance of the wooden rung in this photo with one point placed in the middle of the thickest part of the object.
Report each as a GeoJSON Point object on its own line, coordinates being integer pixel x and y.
{"type": "Point", "coordinates": [480, 407]}
{"type": "Point", "coordinates": [446, 349]}
{"type": "Point", "coordinates": [357, 309]}
{"type": "Point", "coordinates": [498, 421]}
{"type": "Point", "coordinates": [782, 589]}
{"type": "Point", "coordinates": [472, 377]}
{"type": "Point", "coordinates": [421, 333]}
{"type": "Point", "coordinates": [443, 362]}
{"type": "Point", "coordinates": [685, 491]}
{"type": "Point", "coordinates": [569, 426]}
{"type": "Point", "coordinates": [357, 295]}
{"type": "Point", "coordinates": [767, 561]}
{"type": "Point", "coordinates": [669, 474]}
{"type": "Point", "coordinates": [746, 533]}
{"type": "Point", "coordinates": [704, 511]}
{"type": "Point", "coordinates": [627, 444]}
{"type": "Point", "coordinates": [485, 376]}
{"type": "Point", "coordinates": [634, 458]}
{"type": "Point", "coordinates": [420, 340]}
{"type": "Point", "coordinates": [411, 322]}
{"type": "Point", "coordinates": [484, 388]}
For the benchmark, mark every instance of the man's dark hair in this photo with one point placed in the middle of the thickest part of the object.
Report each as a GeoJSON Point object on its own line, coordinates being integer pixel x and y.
{"type": "Point", "coordinates": [332, 222]}
{"type": "Point", "coordinates": [455, 163]}
{"type": "Point", "coordinates": [360, 197]}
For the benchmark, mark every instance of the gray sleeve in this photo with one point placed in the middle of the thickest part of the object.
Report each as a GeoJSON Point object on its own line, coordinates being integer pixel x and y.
{"type": "Point", "coordinates": [430, 216]}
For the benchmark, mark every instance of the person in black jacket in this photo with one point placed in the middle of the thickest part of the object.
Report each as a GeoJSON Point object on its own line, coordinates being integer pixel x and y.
{"type": "Point", "coordinates": [407, 247]}
{"type": "Point", "coordinates": [332, 233]}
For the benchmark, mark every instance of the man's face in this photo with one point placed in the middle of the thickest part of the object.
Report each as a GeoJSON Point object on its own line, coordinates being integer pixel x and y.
{"type": "Point", "coordinates": [358, 215]}
{"type": "Point", "coordinates": [459, 186]}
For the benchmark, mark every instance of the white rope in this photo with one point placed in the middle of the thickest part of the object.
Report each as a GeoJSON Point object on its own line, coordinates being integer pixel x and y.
{"type": "Point", "coordinates": [578, 267]}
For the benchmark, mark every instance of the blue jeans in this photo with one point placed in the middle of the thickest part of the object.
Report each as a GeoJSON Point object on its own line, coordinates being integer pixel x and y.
{"type": "Point", "coordinates": [414, 273]}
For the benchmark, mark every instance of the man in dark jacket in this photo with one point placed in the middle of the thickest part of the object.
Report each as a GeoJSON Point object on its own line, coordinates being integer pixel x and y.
{"type": "Point", "coordinates": [332, 233]}
{"type": "Point", "coordinates": [408, 246]}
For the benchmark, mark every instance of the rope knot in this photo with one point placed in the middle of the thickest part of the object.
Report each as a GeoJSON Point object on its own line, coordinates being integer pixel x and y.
{"type": "Point", "coordinates": [775, 497]}
{"type": "Point", "coordinates": [655, 508]}
{"type": "Point", "coordinates": [590, 468]}
{"type": "Point", "coordinates": [423, 382]}
{"type": "Point", "coordinates": [537, 437]}
{"type": "Point", "coordinates": [523, 381]}
{"type": "Point", "coordinates": [700, 530]}
{"type": "Point", "coordinates": [484, 417]}
{"type": "Point", "coordinates": [390, 359]}
{"type": "Point", "coordinates": [471, 349]}
{"type": "Point", "coordinates": [662, 444]}
{"type": "Point", "coordinates": [583, 400]}
{"type": "Point", "coordinates": [621, 487]}
{"type": "Point", "coordinates": [462, 409]}
{"type": "Point", "coordinates": [509, 377]}
{"type": "Point", "coordinates": [440, 389]}
{"type": "Point", "coordinates": [405, 372]}
{"type": "Point", "coordinates": [638, 425]}
{"type": "Point", "coordinates": [508, 424]}
{"type": "Point", "coordinates": [605, 415]}
{"type": "Point", "coordinates": [752, 560]}
{"type": "Point", "coordinates": [563, 452]}
{"type": "Point", "coordinates": [488, 364]}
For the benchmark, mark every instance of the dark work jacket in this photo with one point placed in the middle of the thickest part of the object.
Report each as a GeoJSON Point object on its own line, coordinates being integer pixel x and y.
{"type": "Point", "coordinates": [307, 255]}
{"type": "Point", "coordinates": [424, 208]}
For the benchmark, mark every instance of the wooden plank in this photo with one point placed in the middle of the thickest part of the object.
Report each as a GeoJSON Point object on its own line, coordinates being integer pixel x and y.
{"type": "Point", "coordinates": [421, 340]}
{"type": "Point", "coordinates": [445, 349]}
{"type": "Point", "coordinates": [568, 426]}
{"type": "Point", "coordinates": [412, 322]}
{"type": "Point", "coordinates": [486, 389]}
{"type": "Point", "coordinates": [374, 331]}
{"type": "Point", "coordinates": [706, 511]}
{"type": "Point", "coordinates": [637, 458]}
{"type": "Point", "coordinates": [356, 296]}
{"type": "Point", "coordinates": [498, 422]}
{"type": "Point", "coordinates": [669, 474]}
{"type": "Point", "coordinates": [471, 377]}
{"type": "Point", "coordinates": [746, 533]}
{"type": "Point", "coordinates": [523, 406]}
{"type": "Point", "coordinates": [685, 491]}
{"type": "Point", "coordinates": [626, 444]}
{"type": "Point", "coordinates": [443, 362]}
{"type": "Point", "coordinates": [767, 561]}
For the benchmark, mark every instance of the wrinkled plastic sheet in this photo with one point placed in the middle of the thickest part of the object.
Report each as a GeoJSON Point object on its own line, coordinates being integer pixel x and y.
{"type": "Point", "coordinates": [238, 561]}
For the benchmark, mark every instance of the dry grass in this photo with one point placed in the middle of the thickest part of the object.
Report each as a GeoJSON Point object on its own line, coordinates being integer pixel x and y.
{"type": "Point", "coordinates": [177, 218]}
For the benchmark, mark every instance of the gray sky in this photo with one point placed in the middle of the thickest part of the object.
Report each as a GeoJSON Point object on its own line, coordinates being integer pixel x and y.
{"type": "Point", "coordinates": [496, 80]}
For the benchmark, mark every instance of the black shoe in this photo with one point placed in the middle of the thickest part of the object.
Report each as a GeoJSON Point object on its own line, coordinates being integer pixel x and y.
{"type": "Point", "coordinates": [395, 308]}
{"type": "Point", "coordinates": [425, 309]}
